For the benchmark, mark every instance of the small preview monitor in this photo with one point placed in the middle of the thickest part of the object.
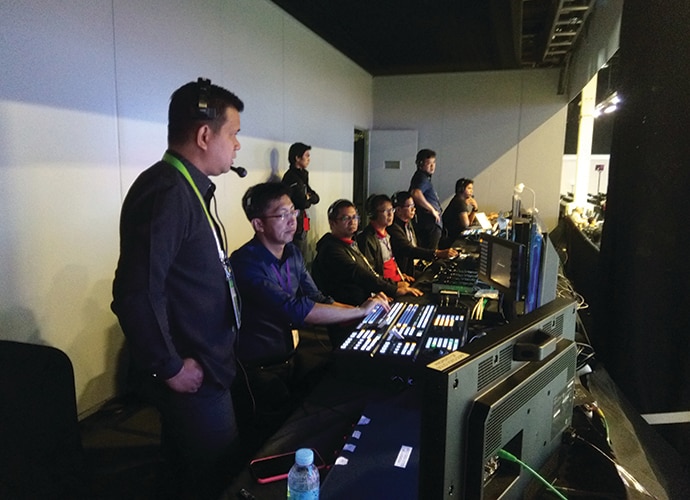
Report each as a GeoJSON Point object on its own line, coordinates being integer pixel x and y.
{"type": "Point", "coordinates": [501, 263]}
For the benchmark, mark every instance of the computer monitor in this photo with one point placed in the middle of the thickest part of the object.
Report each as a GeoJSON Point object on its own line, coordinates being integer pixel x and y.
{"type": "Point", "coordinates": [511, 389]}
{"type": "Point", "coordinates": [502, 265]}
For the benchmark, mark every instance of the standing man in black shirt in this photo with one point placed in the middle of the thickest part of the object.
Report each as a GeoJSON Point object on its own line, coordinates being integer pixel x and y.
{"type": "Point", "coordinates": [428, 223]}
{"type": "Point", "coordinates": [301, 193]}
{"type": "Point", "coordinates": [174, 292]}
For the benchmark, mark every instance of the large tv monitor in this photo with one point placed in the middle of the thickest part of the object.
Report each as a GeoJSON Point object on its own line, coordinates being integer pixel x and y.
{"type": "Point", "coordinates": [511, 389]}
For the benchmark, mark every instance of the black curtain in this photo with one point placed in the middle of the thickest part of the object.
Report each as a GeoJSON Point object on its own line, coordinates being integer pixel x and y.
{"type": "Point", "coordinates": [642, 326]}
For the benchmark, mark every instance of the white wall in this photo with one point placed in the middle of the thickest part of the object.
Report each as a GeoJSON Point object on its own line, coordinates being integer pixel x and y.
{"type": "Point", "coordinates": [498, 128]}
{"type": "Point", "coordinates": [83, 102]}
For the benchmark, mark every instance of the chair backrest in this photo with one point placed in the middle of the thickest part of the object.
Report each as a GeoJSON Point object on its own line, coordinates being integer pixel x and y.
{"type": "Point", "coordinates": [41, 454]}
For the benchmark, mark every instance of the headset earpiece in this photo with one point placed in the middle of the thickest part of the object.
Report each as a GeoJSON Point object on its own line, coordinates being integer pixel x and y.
{"type": "Point", "coordinates": [204, 85]}
{"type": "Point", "coordinates": [370, 208]}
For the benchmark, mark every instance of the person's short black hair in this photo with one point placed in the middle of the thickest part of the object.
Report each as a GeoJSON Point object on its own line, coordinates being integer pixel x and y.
{"type": "Point", "coordinates": [257, 198]}
{"type": "Point", "coordinates": [423, 155]}
{"type": "Point", "coordinates": [337, 206]}
{"type": "Point", "coordinates": [297, 150]}
{"type": "Point", "coordinates": [462, 184]}
{"type": "Point", "coordinates": [374, 202]}
{"type": "Point", "coordinates": [399, 198]}
{"type": "Point", "coordinates": [195, 103]}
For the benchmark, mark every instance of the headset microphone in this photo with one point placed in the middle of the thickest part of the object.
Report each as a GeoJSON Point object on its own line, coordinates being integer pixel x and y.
{"type": "Point", "coordinates": [241, 171]}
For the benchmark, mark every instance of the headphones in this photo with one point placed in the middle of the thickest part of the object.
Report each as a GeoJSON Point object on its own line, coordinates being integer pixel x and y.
{"type": "Point", "coordinates": [369, 206]}
{"type": "Point", "coordinates": [373, 202]}
{"type": "Point", "coordinates": [336, 206]}
{"type": "Point", "coordinates": [204, 85]}
{"type": "Point", "coordinates": [399, 197]}
{"type": "Point", "coordinates": [462, 184]}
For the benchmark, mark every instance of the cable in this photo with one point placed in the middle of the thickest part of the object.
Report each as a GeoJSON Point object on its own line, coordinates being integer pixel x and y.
{"type": "Point", "coordinates": [626, 476]}
{"type": "Point", "coordinates": [512, 458]}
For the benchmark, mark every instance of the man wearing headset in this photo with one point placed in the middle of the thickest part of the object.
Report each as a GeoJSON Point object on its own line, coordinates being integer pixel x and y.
{"type": "Point", "coordinates": [375, 242]}
{"type": "Point", "coordinates": [174, 292]}
{"type": "Point", "coordinates": [278, 297]}
{"type": "Point", "coordinates": [341, 270]}
{"type": "Point", "coordinates": [428, 222]}
{"type": "Point", "coordinates": [404, 239]}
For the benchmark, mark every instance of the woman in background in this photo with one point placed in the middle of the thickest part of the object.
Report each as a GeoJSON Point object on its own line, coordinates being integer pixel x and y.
{"type": "Point", "coordinates": [460, 212]}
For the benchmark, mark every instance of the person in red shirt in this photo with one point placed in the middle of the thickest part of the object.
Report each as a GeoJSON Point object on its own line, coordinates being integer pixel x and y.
{"type": "Point", "coordinates": [375, 242]}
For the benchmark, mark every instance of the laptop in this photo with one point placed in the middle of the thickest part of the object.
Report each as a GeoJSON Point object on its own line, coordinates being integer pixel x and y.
{"type": "Point", "coordinates": [483, 221]}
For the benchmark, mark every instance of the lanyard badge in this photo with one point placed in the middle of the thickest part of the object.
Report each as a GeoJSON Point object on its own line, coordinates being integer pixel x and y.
{"type": "Point", "coordinates": [229, 276]}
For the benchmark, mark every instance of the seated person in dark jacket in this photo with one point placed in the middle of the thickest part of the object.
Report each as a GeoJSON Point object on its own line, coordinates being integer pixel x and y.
{"type": "Point", "coordinates": [404, 240]}
{"type": "Point", "coordinates": [375, 242]}
{"type": "Point", "coordinates": [278, 296]}
{"type": "Point", "coordinates": [341, 270]}
{"type": "Point", "coordinates": [460, 212]}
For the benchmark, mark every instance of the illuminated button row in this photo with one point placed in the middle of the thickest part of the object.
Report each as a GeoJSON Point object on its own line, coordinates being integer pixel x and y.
{"type": "Point", "coordinates": [398, 348]}
{"type": "Point", "coordinates": [449, 344]}
{"type": "Point", "coordinates": [447, 320]}
{"type": "Point", "coordinates": [361, 340]}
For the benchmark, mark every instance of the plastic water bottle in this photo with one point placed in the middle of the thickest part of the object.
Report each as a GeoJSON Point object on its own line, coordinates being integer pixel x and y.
{"type": "Point", "coordinates": [303, 478]}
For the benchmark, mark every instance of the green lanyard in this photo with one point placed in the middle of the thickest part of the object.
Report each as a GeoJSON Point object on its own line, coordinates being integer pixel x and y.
{"type": "Point", "coordinates": [167, 157]}
{"type": "Point", "coordinates": [234, 295]}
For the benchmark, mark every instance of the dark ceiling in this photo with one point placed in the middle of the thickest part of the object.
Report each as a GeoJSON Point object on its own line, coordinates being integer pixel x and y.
{"type": "Point", "coordinates": [396, 37]}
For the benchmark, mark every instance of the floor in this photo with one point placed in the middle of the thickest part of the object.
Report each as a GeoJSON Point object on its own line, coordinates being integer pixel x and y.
{"type": "Point", "coordinates": [122, 440]}
{"type": "Point", "coordinates": [121, 443]}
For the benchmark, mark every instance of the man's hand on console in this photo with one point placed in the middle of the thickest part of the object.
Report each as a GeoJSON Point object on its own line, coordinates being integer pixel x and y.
{"type": "Point", "coordinates": [188, 379]}
{"type": "Point", "coordinates": [380, 299]}
{"type": "Point", "coordinates": [404, 288]}
{"type": "Point", "coordinates": [446, 253]}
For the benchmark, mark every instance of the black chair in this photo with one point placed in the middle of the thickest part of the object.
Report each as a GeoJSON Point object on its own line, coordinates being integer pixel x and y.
{"type": "Point", "coordinates": [41, 454]}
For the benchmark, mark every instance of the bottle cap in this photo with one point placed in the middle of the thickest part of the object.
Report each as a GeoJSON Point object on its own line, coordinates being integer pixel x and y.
{"type": "Point", "coordinates": [304, 456]}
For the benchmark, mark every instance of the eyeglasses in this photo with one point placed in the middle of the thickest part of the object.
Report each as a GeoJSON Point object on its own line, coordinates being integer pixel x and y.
{"type": "Point", "coordinates": [348, 218]}
{"type": "Point", "coordinates": [386, 211]}
{"type": "Point", "coordinates": [285, 215]}
{"type": "Point", "coordinates": [408, 206]}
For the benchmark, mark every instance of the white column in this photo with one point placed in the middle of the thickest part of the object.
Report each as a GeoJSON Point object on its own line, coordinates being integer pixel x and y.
{"type": "Point", "coordinates": [584, 142]}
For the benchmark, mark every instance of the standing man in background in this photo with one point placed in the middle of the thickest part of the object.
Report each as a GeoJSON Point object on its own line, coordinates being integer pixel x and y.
{"type": "Point", "coordinates": [301, 193]}
{"type": "Point", "coordinates": [174, 292]}
{"type": "Point", "coordinates": [428, 223]}
{"type": "Point", "coordinates": [404, 238]}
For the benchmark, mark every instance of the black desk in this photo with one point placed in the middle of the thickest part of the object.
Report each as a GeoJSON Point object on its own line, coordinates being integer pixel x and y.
{"type": "Point", "coordinates": [331, 411]}
{"type": "Point", "coordinates": [325, 419]}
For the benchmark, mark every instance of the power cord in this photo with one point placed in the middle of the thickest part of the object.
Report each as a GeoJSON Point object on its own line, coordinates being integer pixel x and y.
{"type": "Point", "coordinates": [512, 458]}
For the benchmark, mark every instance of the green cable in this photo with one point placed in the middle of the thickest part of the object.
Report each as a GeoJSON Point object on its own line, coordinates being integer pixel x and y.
{"type": "Point", "coordinates": [512, 458]}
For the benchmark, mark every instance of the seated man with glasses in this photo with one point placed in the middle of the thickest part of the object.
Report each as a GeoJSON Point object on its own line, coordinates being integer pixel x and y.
{"type": "Point", "coordinates": [403, 238]}
{"type": "Point", "coordinates": [341, 270]}
{"type": "Point", "coordinates": [278, 295]}
{"type": "Point", "coordinates": [375, 242]}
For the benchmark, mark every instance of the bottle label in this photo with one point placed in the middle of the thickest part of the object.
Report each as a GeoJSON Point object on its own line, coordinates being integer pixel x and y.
{"type": "Point", "coordinates": [303, 495]}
